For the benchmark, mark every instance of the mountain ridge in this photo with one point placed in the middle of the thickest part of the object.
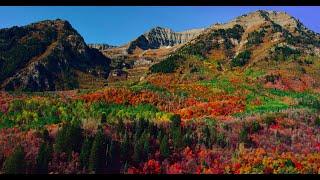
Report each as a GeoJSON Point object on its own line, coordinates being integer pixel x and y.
{"type": "Point", "coordinates": [43, 56]}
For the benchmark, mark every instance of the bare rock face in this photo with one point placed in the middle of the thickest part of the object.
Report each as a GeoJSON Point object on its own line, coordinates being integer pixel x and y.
{"type": "Point", "coordinates": [45, 56]}
{"type": "Point", "coordinates": [162, 37]}
{"type": "Point", "coordinates": [101, 47]}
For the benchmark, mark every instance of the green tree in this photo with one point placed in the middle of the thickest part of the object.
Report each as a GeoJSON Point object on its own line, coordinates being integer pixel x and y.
{"type": "Point", "coordinates": [43, 158]}
{"type": "Point", "coordinates": [164, 147]}
{"type": "Point", "coordinates": [177, 138]}
{"type": "Point", "coordinates": [104, 117]}
{"type": "Point", "coordinates": [97, 159]}
{"type": "Point", "coordinates": [176, 120]}
{"type": "Point", "coordinates": [113, 158]}
{"type": "Point", "coordinates": [85, 152]}
{"type": "Point", "coordinates": [69, 139]}
{"type": "Point", "coordinates": [15, 163]}
{"type": "Point", "coordinates": [125, 148]}
{"type": "Point", "coordinates": [137, 149]}
{"type": "Point", "coordinates": [146, 145]}
{"type": "Point", "coordinates": [241, 59]}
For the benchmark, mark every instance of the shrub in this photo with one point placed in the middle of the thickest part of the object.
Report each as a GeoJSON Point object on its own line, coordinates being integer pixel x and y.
{"type": "Point", "coordinates": [168, 65]}
{"type": "Point", "coordinates": [255, 126]}
{"type": "Point", "coordinates": [317, 122]}
{"type": "Point", "coordinates": [285, 53]}
{"type": "Point", "coordinates": [270, 119]}
{"type": "Point", "coordinates": [221, 140]}
{"type": "Point", "coordinates": [244, 134]}
{"type": "Point", "coordinates": [272, 78]}
{"type": "Point", "coordinates": [15, 163]}
{"type": "Point", "coordinates": [241, 59]}
{"type": "Point", "coordinates": [310, 101]}
{"type": "Point", "coordinates": [255, 37]}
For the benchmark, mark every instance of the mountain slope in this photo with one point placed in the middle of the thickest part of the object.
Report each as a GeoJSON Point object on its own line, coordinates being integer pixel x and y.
{"type": "Point", "coordinates": [270, 41]}
{"type": "Point", "coordinates": [45, 56]}
{"type": "Point", "coordinates": [252, 32]}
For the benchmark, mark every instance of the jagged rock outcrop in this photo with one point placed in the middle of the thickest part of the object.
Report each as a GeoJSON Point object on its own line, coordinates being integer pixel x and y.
{"type": "Point", "coordinates": [45, 56]}
{"type": "Point", "coordinates": [158, 37]}
{"type": "Point", "coordinates": [101, 47]}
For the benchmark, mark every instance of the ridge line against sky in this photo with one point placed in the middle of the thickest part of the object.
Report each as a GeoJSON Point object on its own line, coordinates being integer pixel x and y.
{"type": "Point", "coordinates": [117, 25]}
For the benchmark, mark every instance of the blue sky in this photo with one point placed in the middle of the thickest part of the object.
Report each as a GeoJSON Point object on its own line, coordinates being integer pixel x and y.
{"type": "Point", "coordinates": [118, 25]}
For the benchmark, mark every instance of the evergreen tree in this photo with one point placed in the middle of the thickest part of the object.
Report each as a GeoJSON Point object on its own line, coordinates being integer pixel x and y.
{"type": "Point", "coordinates": [164, 147]}
{"type": "Point", "coordinates": [97, 159]}
{"type": "Point", "coordinates": [85, 152]}
{"type": "Point", "coordinates": [43, 158]}
{"type": "Point", "coordinates": [125, 148]}
{"type": "Point", "coordinates": [176, 120]}
{"type": "Point", "coordinates": [207, 137]}
{"type": "Point", "coordinates": [137, 150]}
{"type": "Point", "coordinates": [121, 127]}
{"type": "Point", "coordinates": [69, 139]}
{"type": "Point", "coordinates": [177, 138]}
{"type": "Point", "coordinates": [103, 118]}
{"type": "Point", "coordinates": [15, 163]}
{"type": "Point", "coordinates": [113, 158]}
{"type": "Point", "coordinates": [146, 145]}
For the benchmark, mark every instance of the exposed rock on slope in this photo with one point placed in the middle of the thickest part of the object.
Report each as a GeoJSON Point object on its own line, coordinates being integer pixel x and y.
{"type": "Point", "coordinates": [45, 56]}
{"type": "Point", "coordinates": [101, 47]}
{"type": "Point", "coordinates": [159, 37]}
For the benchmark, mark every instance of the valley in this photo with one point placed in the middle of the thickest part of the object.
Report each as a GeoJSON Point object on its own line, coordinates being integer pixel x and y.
{"type": "Point", "coordinates": [241, 97]}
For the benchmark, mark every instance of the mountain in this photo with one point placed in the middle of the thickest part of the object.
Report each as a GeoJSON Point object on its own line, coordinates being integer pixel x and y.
{"type": "Point", "coordinates": [161, 37]}
{"type": "Point", "coordinates": [101, 47]}
{"type": "Point", "coordinates": [47, 56]}
{"type": "Point", "coordinates": [269, 41]}
{"type": "Point", "coordinates": [263, 34]}
{"type": "Point", "coordinates": [149, 47]}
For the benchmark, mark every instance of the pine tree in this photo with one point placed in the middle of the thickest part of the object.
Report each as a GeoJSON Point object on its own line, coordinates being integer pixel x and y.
{"type": "Point", "coordinates": [176, 120]}
{"type": "Point", "coordinates": [164, 147]}
{"type": "Point", "coordinates": [113, 158]}
{"type": "Point", "coordinates": [97, 159]}
{"type": "Point", "coordinates": [207, 136]}
{"type": "Point", "coordinates": [146, 145]}
{"type": "Point", "coordinates": [103, 118]}
{"type": "Point", "coordinates": [137, 151]}
{"type": "Point", "coordinates": [15, 163]}
{"type": "Point", "coordinates": [177, 138]}
{"type": "Point", "coordinates": [69, 139]}
{"type": "Point", "coordinates": [85, 152]}
{"type": "Point", "coordinates": [125, 148]}
{"type": "Point", "coordinates": [43, 158]}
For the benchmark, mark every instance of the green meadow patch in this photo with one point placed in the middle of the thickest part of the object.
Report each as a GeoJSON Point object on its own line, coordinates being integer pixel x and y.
{"type": "Point", "coordinates": [223, 84]}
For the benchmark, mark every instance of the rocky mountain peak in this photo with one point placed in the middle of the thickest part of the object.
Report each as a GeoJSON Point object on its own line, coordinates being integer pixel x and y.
{"type": "Point", "coordinates": [47, 56]}
{"type": "Point", "coordinates": [159, 37]}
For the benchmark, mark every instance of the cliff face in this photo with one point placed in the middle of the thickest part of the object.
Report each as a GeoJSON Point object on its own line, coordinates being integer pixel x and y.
{"type": "Point", "coordinates": [161, 37]}
{"type": "Point", "coordinates": [46, 56]}
{"type": "Point", "coordinates": [101, 47]}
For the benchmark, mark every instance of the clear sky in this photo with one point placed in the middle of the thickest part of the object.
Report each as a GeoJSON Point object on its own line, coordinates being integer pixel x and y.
{"type": "Point", "coordinates": [117, 25]}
